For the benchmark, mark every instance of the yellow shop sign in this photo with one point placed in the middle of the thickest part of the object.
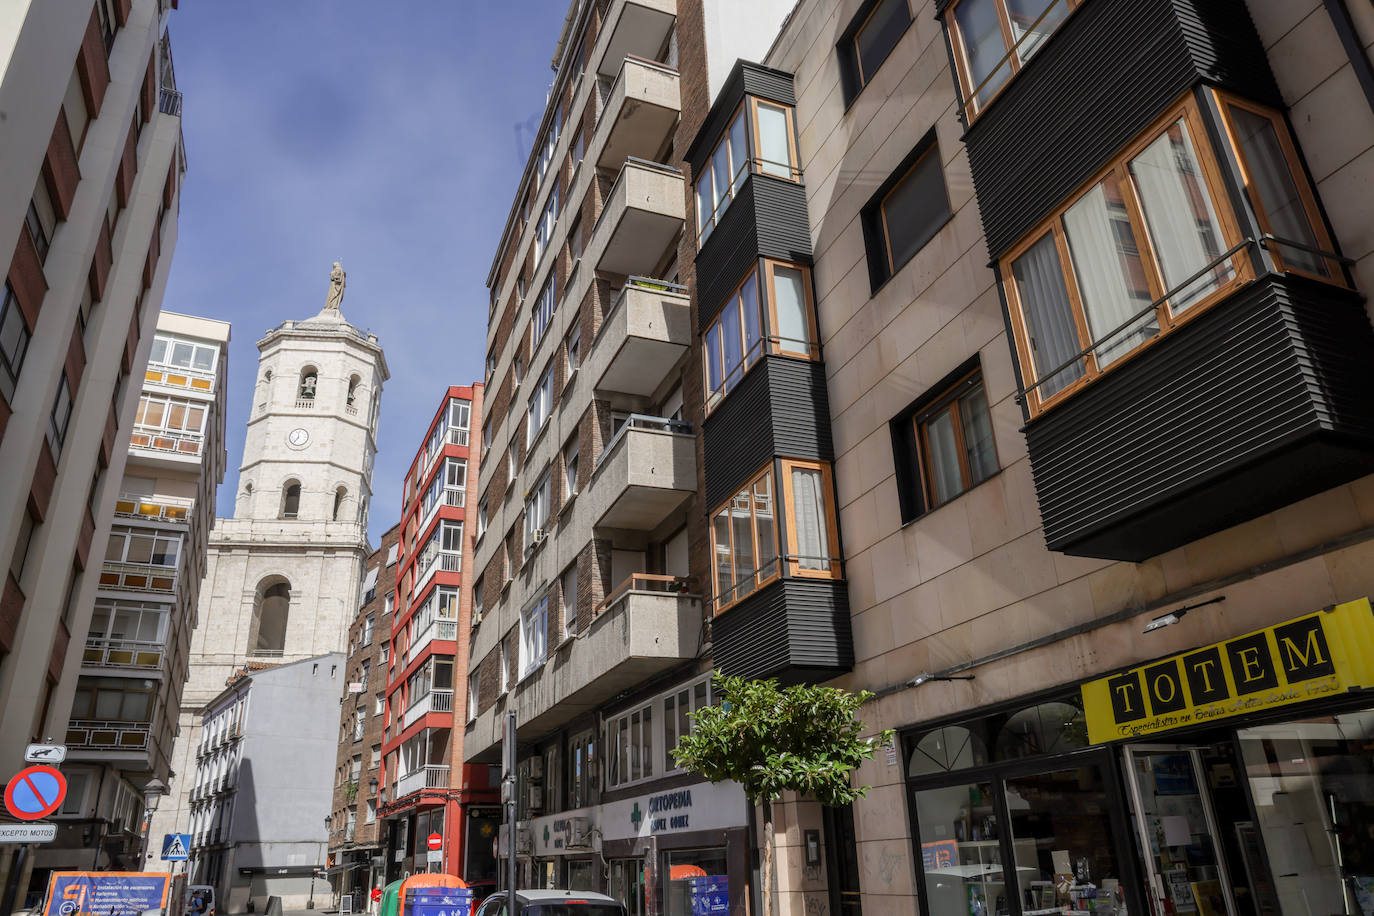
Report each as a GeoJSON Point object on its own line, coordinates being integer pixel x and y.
{"type": "Point", "coordinates": [1318, 655]}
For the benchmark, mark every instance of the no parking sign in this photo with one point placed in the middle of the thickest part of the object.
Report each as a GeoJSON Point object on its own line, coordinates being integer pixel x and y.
{"type": "Point", "coordinates": [35, 792]}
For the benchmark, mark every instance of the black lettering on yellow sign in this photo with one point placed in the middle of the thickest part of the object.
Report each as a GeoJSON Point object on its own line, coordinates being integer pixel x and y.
{"type": "Point", "coordinates": [1303, 651]}
{"type": "Point", "coordinates": [1127, 703]}
{"type": "Point", "coordinates": [1252, 669]}
{"type": "Point", "coordinates": [1165, 686]}
{"type": "Point", "coordinates": [1206, 680]}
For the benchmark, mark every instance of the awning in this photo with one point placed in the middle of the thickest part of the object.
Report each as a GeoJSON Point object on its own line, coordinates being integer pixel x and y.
{"type": "Point", "coordinates": [392, 553]}
{"type": "Point", "coordinates": [370, 582]}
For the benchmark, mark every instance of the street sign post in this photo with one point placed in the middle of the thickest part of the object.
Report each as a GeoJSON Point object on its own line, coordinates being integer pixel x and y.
{"type": "Point", "coordinates": [176, 847]}
{"type": "Point", "coordinates": [28, 833]}
{"type": "Point", "coordinates": [35, 792]}
{"type": "Point", "coordinates": [45, 753]}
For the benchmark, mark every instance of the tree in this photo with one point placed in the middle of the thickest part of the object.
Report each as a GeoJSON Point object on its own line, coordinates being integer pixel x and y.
{"type": "Point", "coordinates": [802, 739]}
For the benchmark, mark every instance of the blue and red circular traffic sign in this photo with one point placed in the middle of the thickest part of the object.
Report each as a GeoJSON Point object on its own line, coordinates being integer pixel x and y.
{"type": "Point", "coordinates": [35, 792]}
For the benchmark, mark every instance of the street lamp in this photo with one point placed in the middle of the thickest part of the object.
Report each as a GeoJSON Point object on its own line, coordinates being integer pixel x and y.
{"type": "Point", "coordinates": [310, 904]}
{"type": "Point", "coordinates": [152, 795]}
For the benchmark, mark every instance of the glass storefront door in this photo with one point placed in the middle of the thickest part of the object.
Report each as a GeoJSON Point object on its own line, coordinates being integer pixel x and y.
{"type": "Point", "coordinates": [1177, 832]}
{"type": "Point", "coordinates": [626, 884]}
{"type": "Point", "coordinates": [1312, 786]}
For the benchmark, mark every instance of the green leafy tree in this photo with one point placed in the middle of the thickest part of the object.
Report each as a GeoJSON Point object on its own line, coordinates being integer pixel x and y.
{"type": "Point", "coordinates": [771, 740]}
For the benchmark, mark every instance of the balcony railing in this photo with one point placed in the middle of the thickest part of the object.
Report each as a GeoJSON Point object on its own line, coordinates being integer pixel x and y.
{"type": "Point", "coordinates": [154, 508]}
{"type": "Point", "coordinates": [138, 577]}
{"type": "Point", "coordinates": [455, 497]}
{"type": "Point", "coordinates": [305, 403]}
{"type": "Point", "coordinates": [122, 653]}
{"type": "Point", "coordinates": [430, 776]}
{"type": "Point", "coordinates": [169, 102]}
{"type": "Point", "coordinates": [177, 443]}
{"type": "Point", "coordinates": [434, 701]}
{"type": "Point", "coordinates": [457, 436]}
{"type": "Point", "coordinates": [177, 377]}
{"type": "Point", "coordinates": [437, 629]}
{"type": "Point", "coordinates": [102, 734]}
{"type": "Point", "coordinates": [266, 653]}
{"type": "Point", "coordinates": [446, 560]}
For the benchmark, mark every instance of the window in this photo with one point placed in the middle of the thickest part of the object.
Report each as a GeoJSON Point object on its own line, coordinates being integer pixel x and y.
{"type": "Point", "coordinates": [306, 391]}
{"type": "Point", "coordinates": [575, 241]}
{"type": "Point", "coordinates": [550, 142]}
{"type": "Point", "coordinates": [993, 39]}
{"type": "Point", "coordinates": [541, 405]}
{"type": "Point", "coordinates": [746, 327]}
{"type": "Point", "coordinates": [379, 707]}
{"type": "Point", "coordinates": [518, 367]}
{"type": "Point", "coordinates": [570, 461]}
{"type": "Point", "coordinates": [170, 415]}
{"type": "Point", "coordinates": [369, 625]}
{"type": "Point", "coordinates": [955, 442]}
{"type": "Point", "coordinates": [291, 500]}
{"type": "Point", "coordinates": [744, 541]}
{"type": "Point", "coordinates": [128, 621]}
{"type": "Point", "coordinates": [352, 396]}
{"type": "Point", "coordinates": [537, 512]}
{"type": "Point", "coordinates": [183, 354]}
{"type": "Point", "coordinates": [774, 152]}
{"type": "Point", "coordinates": [1150, 243]}
{"type": "Point", "coordinates": [14, 342]}
{"type": "Point", "coordinates": [473, 683]}
{"type": "Point", "coordinates": [906, 212]}
{"type": "Point", "coordinates": [114, 699]}
{"type": "Point", "coordinates": [543, 231]}
{"type": "Point", "coordinates": [390, 604]}
{"type": "Point", "coordinates": [338, 501]}
{"type": "Point", "coordinates": [371, 815]}
{"type": "Point", "coordinates": [721, 177]}
{"type": "Point", "coordinates": [41, 219]}
{"type": "Point", "coordinates": [581, 769]}
{"type": "Point", "coordinates": [478, 598]}
{"type": "Point", "coordinates": [542, 314]}
{"type": "Point", "coordinates": [573, 350]}
{"type": "Point", "coordinates": [105, 13]}
{"type": "Point", "coordinates": [482, 516]}
{"type": "Point", "coordinates": [142, 545]}
{"type": "Point", "coordinates": [567, 596]}
{"type": "Point", "coordinates": [811, 543]}
{"type": "Point", "coordinates": [678, 707]}
{"type": "Point", "coordinates": [578, 149]}
{"type": "Point", "coordinates": [486, 434]}
{"type": "Point", "coordinates": [443, 546]}
{"type": "Point", "coordinates": [59, 418]}
{"type": "Point", "coordinates": [505, 667]}
{"type": "Point", "coordinates": [630, 747]}
{"type": "Point", "coordinates": [868, 40]}
{"type": "Point", "coordinates": [534, 625]}
{"type": "Point", "coordinates": [512, 459]}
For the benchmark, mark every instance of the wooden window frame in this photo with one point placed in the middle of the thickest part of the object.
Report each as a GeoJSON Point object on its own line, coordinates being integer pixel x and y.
{"type": "Point", "coordinates": [854, 43]}
{"type": "Point", "coordinates": [794, 569]}
{"type": "Point", "coordinates": [772, 341]}
{"type": "Point", "coordinates": [892, 266]}
{"type": "Point", "coordinates": [948, 400]}
{"type": "Point", "coordinates": [708, 173]}
{"type": "Point", "coordinates": [712, 401]}
{"type": "Point", "coordinates": [964, 73]}
{"type": "Point", "coordinates": [1225, 101]}
{"type": "Point", "coordinates": [747, 487]}
{"type": "Point", "coordinates": [1187, 110]}
{"type": "Point", "coordinates": [755, 160]}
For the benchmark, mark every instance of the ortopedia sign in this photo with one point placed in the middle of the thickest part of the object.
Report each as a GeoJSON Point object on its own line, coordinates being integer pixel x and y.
{"type": "Point", "coordinates": [1318, 655]}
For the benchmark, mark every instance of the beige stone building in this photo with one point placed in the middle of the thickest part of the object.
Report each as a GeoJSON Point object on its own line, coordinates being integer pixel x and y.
{"type": "Point", "coordinates": [283, 574]}
{"type": "Point", "coordinates": [89, 195]}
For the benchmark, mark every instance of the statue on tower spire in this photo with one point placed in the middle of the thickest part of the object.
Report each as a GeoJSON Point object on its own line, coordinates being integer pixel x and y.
{"type": "Point", "coordinates": [337, 281]}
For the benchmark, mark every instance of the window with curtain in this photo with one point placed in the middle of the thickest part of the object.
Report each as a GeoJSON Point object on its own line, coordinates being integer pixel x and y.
{"type": "Point", "coordinates": [773, 135]}
{"type": "Point", "coordinates": [811, 531]}
{"type": "Point", "coordinates": [1126, 259]}
{"type": "Point", "coordinates": [954, 441]}
{"type": "Point", "coordinates": [993, 39]}
{"type": "Point", "coordinates": [744, 541]}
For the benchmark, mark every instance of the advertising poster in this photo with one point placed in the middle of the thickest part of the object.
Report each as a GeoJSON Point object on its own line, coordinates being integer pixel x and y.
{"type": "Point", "coordinates": [105, 893]}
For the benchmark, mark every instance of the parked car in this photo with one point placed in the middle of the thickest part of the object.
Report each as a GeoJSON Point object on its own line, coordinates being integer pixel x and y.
{"type": "Point", "coordinates": [553, 903]}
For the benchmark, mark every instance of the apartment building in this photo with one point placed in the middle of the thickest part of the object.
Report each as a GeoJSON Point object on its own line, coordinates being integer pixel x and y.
{"type": "Point", "coordinates": [124, 716]}
{"type": "Point", "coordinates": [594, 549]}
{"type": "Point", "coordinates": [260, 781]}
{"type": "Point", "coordinates": [354, 838]}
{"type": "Point", "coordinates": [88, 209]}
{"type": "Point", "coordinates": [1089, 286]}
{"type": "Point", "coordinates": [429, 789]}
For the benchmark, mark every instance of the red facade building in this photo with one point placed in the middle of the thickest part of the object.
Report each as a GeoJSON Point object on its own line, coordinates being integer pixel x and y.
{"type": "Point", "coordinates": [428, 790]}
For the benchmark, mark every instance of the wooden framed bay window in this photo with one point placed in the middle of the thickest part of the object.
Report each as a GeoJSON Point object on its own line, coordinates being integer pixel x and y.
{"type": "Point", "coordinates": [1152, 241]}
{"type": "Point", "coordinates": [761, 138]}
{"type": "Point", "coordinates": [993, 39]}
{"type": "Point", "coordinates": [771, 311]}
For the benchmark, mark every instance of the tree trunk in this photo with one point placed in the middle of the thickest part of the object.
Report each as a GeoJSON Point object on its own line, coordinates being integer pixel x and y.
{"type": "Point", "coordinates": [766, 875]}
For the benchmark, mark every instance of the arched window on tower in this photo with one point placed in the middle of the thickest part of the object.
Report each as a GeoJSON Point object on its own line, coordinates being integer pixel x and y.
{"type": "Point", "coordinates": [339, 495]}
{"type": "Point", "coordinates": [309, 378]}
{"type": "Point", "coordinates": [291, 499]}
{"type": "Point", "coordinates": [270, 617]}
{"type": "Point", "coordinates": [353, 384]}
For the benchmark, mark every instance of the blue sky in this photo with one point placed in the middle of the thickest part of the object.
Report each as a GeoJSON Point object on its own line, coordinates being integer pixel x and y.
{"type": "Point", "coordinates": [387, 135]}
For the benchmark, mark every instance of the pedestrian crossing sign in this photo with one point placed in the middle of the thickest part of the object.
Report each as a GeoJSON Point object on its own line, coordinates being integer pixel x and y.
{"type": "Point", "coordinates": [176, 847]}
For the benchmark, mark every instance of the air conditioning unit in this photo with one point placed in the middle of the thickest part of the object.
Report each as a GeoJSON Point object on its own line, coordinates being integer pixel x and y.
{"type": "Point", "coordinates": [524, 841]}
{"type": "Point", "coordinates": [537, 537]}
{"type": "Point", "coordinates": [580, 833]}
{"type": "Point", "coordinates": [476, 618]}
{"type": "Point", "coordinates": [536, 798]}
{"type": "Point", "coordinates": [536, 767]}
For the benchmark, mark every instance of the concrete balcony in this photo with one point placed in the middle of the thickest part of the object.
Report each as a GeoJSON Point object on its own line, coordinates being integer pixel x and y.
{"type": "Point", "coordinates": [154, 508]}
{"type": "Point", "coordinates": [104, 737]}
{"type": "Point", "coordinates": [162, 448]}
{"type": "Point", "coordinates": [443, 561]}
{"type": "Point", "coordinates": [434, 701]}
{"type": "Point", "coordinates": [430, 776]}
{"type": "Point", "coordinates": [637, 27]}
{"type": "Point", "coordinates": [648, 625]}
{"type": "Point", "coordinates": [138, 577]}
{"type": "Point", "coordinates": [644, 213]}
{"type": "Point", "coordinates": [122, 653]}
{"type": "Point", "coordinates": [442, 630]}
{"type": "Point", "coordinates": [647, 330]}
{"type": "Point", "coordinates": [640, 113]}
{"type": "Point", "coordinates": [182, 379]}
{"type": "Point", "coordinates": [647, 470]}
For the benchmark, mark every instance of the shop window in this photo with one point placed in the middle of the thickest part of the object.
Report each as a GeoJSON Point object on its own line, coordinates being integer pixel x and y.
{"type": "Point", "coordinates": [761, 138]}
{"type": "Point", "coordinates": [909, 208]}
{"type": "Point", "coordinates": [867, 42]}
{"type": "Point", "coordinates": [770, 311]}
{"type": "Point", "coordinates": [744, 541]}
{"type": "Point", "coordinates": [944, 444]}
{"type": "Point", "coordinates": [993, 39]}
{"type": "Point", "coordinates": [697, 882]}
{"type": "Point", "coordinates": [626, 882]}
{"type": "Point", "coordinates": [630, 747]}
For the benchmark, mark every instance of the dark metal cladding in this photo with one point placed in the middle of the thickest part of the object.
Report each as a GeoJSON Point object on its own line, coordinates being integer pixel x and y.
{"type": "Point", "coordinates": [768, 218]}
{"type": "Point", "coordinates": [745, 78]}
{"type": "Point", "coordinates": [1264, 400]}
{"type": "Point", "coordinates": [779, 409]}
{"type": "Point", "coordinates": [1111, 69]}
{"type": "Point", "coordinates": [796, 630]}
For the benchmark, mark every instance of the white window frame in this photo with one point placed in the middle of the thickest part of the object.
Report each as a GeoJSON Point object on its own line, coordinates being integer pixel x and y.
{"type": "Point", "coordinates": [537, 508]}
{"type": "Point", "coordinates": [534, 632]}
{"type": "Point", "coordinates": [541, 407]}
{"type": "Point", "coordinates": [541, 316]}
{"type": "Point", "coordinates": [637, 733]}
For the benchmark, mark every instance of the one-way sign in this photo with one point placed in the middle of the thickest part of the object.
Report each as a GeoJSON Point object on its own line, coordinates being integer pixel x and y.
{"type": "Point", "coordinates": [45, 753]}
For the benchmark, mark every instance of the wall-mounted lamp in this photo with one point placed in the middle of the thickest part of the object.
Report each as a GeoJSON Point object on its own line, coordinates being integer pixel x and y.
{"type": "Point", "coordinates": [921, 678]}
{"type": "Point", "coordinates": [1174, 616]}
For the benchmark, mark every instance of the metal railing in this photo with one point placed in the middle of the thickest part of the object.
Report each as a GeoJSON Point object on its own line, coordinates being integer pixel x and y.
{"type": "Point", "coordinates": [180, 443]}
{"type": "Point", "coordinates": [441, 629]}
{"type": "Point", "coordinates": [457, 436]}
{"type": "Point", "coordinates": [645, 584]}
{"type": "Point", "coordinates": [169, 102]}
{"type": "Point", "coordinates": [154, 508]}
{"type": "Point", "coordinates": [644, 422]}
{"type": "Point", "coordinates": [100, 733]}
{"type": "Point", "coordinates": [351, 410]}
{"type": "Point", "coordinates": [455, 497]}
{"type": "Point", "coordinates": [434, 701]}
{"type": "Point", "coordinates": [122, 653]}
{"type": "Point", "coordinates": [138, 577]}
{"type": "Point", "coordinates": [177, 377]}
{"type": "Point", "coordinates": [430, 776]}
{"type": "Point", "coordinates": [266, 653]}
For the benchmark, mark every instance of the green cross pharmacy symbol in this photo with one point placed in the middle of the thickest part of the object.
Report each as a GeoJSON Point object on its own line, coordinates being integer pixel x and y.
{"type": "Point", "coordinates": [636, 816]}
{"type": "Point", "coordinates": [546, 834]}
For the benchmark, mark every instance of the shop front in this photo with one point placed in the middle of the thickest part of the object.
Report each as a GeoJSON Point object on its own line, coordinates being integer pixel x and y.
{"type": "Point", "coordinates": [669, 852]}
{"type": "Point", "coordinates": [1235, 779]}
